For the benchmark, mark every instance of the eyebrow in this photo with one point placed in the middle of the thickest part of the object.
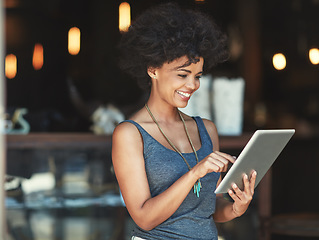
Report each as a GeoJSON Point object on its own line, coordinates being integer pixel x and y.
{"type": "Point", "coordinates": [185, 70]}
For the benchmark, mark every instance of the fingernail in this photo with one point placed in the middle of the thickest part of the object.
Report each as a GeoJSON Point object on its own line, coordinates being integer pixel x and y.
{"type": "Point", "coordinates": [245, 176]}
{"type": "Point", "coordinates": [234, 186]}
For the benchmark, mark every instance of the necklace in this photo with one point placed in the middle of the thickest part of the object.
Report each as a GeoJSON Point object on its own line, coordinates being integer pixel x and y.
{"type": "Point", "coordinates": [197, 185]}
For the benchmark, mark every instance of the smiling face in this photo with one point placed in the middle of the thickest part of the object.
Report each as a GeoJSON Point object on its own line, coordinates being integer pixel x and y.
{"type": "Point", "coordinates": [175, 82]}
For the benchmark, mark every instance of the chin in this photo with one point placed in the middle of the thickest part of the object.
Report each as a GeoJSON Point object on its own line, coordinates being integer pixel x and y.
{"type": "Point", "coordinates": [182, 105]}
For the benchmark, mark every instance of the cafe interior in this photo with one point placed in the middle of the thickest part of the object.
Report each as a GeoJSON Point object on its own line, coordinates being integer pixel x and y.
{"type": "Point", "coordinates": [64, 93]}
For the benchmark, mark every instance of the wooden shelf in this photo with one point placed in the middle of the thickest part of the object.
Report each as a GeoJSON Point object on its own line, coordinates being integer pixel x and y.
{"type": "Point", "coordinates": [90, 140]}
{"type": "Point", "coordinates": [234, 142]}
{"type": "Point", "coordinates": [58, 141]}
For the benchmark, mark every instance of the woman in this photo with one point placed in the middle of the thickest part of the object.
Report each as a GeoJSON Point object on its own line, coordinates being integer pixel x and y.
{"type": "Point", "coordinates": [167, 163]}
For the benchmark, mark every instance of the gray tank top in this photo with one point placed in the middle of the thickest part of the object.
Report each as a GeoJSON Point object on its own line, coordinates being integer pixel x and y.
{"type": "Point", "coordinates": [193, 219]}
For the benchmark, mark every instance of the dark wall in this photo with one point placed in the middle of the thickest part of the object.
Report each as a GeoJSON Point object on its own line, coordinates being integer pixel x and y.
{"type": "Point", "coordinates": [259, 29]}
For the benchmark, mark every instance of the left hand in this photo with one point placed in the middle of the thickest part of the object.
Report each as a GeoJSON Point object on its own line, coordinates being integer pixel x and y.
{"type": "Point", "coordinates": [243, 198]}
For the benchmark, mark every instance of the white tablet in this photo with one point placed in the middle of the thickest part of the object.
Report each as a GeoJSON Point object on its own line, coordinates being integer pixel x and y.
{"type": "Point", "coordinates": [259, 154]}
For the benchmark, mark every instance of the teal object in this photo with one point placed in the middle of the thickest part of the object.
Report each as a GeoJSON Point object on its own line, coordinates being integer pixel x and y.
{"type": "Point", "coordinates": [197, 187]}
{"type": "Point", "coordinates": [17, 119]}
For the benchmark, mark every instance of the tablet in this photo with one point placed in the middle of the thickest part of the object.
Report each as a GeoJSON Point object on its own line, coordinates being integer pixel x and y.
{"type": "Point", "coordinates": [259, 154]}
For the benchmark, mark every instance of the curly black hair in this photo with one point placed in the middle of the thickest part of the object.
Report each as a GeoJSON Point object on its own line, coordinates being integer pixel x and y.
{"type": "Point", "coordinates": [167, 32]}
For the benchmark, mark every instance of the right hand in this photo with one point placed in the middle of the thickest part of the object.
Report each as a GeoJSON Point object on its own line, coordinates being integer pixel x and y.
{"type": "Point", "coordinates": [214, 162]}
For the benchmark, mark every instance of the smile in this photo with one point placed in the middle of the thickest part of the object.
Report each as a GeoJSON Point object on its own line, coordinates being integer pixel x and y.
{"type": "Point", "coordinates": [184, 94]}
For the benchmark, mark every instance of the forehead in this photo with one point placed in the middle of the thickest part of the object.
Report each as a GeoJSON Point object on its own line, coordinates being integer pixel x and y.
{"type": "Point", "coordinates": [183, 63]}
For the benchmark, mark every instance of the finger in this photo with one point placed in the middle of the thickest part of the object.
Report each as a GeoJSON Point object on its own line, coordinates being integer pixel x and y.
{"type": "Point", "coordinates": [247, 185]}
{"type": "Point", "coordinates": [219, 157]}
{"type": "Point", "coordinates": [219, 161]}
{"type": "Point", "coordinates": [220, 165]}
{"type": "Point", "coordinates": [253, 181]}
{"type": "Point", "coordinates": [212, 164]}
{"type": "Point", "coordinates": [233, 195]}
{"type": "Point", "coordinates": [217, 166]}
{"type": "Point", "coordinates": [237, 191]}
{"type": "Point", "coordinates": [227, 156]}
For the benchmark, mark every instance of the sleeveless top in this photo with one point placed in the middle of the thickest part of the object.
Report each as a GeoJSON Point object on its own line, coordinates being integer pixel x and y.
{"type": "Point", "coordinates": [193, 219]}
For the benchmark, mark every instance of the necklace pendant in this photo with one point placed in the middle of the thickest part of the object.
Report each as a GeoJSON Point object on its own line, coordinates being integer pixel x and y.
{"type": "Point", "coordinates": [197, 187]}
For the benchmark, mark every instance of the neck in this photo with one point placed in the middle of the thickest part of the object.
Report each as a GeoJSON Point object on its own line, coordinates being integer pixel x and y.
{"type": "Point", "coordinates": [164, 113]}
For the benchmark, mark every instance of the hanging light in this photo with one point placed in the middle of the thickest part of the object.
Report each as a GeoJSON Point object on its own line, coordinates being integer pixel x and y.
{"type": "Point", "coordinates": [74, 40]}
{"type": "Point", "coordinates": [124, 16]}
{"type": "Point", "coordinates": [37, 59]}
{"type": "Point", "coordinates": [314, 56]}
{"type": "Point", "coordinates": [11, 66]}
{"type": "Point", "coordinates": [279, 61]}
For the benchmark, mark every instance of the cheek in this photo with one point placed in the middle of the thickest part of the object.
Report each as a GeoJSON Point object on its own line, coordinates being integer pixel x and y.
{"type": "Point", "coordinates": [197, 85]}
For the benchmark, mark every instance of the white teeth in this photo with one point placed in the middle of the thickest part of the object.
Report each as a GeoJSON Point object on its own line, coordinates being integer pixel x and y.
{"type": "Point", "coordinates": [184, 94]}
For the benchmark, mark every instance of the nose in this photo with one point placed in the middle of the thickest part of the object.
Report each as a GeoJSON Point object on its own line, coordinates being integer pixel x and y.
{"type": "Point", "coordinates": [192, 84]}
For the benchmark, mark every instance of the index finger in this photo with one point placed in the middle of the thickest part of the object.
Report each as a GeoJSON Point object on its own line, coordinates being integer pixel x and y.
{"type": "Point", "coordinates": [227, 156]}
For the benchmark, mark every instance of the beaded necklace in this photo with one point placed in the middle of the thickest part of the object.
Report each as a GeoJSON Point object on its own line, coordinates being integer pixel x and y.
{"type": "Point", "coordinates": [197, 185]}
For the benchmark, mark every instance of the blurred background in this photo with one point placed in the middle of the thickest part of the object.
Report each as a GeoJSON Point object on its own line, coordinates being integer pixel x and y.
{"type": "Point", "coordinates": [65, 93]}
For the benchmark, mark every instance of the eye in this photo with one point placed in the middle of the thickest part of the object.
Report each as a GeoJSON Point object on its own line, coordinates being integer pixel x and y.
{"type": "Point", "coordinates": [182, 75]}
{"type": "Point", "coordinates": [198, 77]}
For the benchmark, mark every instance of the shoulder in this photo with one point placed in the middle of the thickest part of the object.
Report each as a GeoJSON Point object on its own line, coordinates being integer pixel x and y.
{"type": "Point", "coordinates": [126, 142]}
{"type": "Point", "coordinates": [125, 131]}
{"type": "Point", "coordinates": [213, 133]}
{"type": "Point", "coordinates": [128, 129]}
{"type": "Point", "coordinates": [127, 135]}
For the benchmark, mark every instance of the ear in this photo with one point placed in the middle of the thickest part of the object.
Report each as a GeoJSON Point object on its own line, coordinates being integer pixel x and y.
{"type": "Point", "coordinates": [151, 71]}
